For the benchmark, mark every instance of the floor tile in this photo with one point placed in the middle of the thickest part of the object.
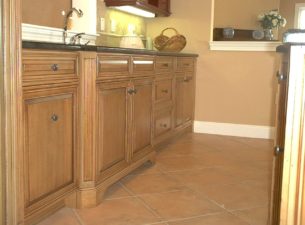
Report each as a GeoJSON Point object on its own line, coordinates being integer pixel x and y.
{"type": "Point", "coordinates": [147, 168]}
{"type": "Point", "coordinates": [116, 191]}
{"type": "Point", "coordinates": [198, 179]}
{"type": "Point", "coordinates": [235, 196]}
{"type": "Point", "coordinates": [218, 219]}
{"type": "Point", "coordinates": [181, 163]}
{"type": "Point", "coordinates": [203, 177]}
{"type": "Point", "coordinates": [64, 216]}
{"type": "Point", "coordinates": [179, 204]}
{"type": "Point", "coordinates": [256, 216]}
{"type": "Point", "coordinates": [151, 183]}
{"type": "Point", "coordinates": [125, 211]}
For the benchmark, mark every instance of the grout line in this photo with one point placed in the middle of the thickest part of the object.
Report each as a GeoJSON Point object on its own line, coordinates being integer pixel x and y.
{"type": "Point", "coordinates": [79, 219]}
{"type": "Point", "coordinates": [143, 202]}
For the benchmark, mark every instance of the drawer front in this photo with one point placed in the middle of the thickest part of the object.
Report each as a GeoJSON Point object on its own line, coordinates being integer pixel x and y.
{"type": "Point", "coordinates": [50, 65]}
{"type": "Point", "coordinates": [143, 64]}
{"type": "Point", "coordinates": [113, 65]}
{"type": "Point", "coordinates": [163, 122]}
{"type": "Point", "coordinates": [185, 64]}
{"type": "Point", "coordinates": [163, 90]}
{"type": "Point", "coordinates": [164, 64]}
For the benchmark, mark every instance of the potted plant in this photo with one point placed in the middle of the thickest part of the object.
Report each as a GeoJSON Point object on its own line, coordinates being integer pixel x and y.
{"type": "Point", "coordinates": [269, 21]}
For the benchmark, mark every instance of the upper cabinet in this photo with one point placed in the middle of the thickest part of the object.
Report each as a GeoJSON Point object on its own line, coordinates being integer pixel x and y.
{"type": "Point", "coordinates": [145, 8]}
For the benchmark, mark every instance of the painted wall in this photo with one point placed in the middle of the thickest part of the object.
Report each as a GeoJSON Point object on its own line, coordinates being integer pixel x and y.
{"type": "Point", "coordinates": [287, 9]}
{"type": "Point", "coordinates": [45, 13]}
{"type": "Point", "coordinates": [241, 14]}
{"type": "Point", "coordinates": [232, 87]}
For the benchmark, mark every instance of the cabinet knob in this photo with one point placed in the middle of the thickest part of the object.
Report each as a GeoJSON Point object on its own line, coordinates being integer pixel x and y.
{"type": "Point", "coordinates": [54, 117]}
{"type": "Point", "coordinates": [164, 91]}
{"type": "Point", "coordinates": [54, 67]}
{"type": "Point", "coordinates": [164, 125]}
{"type": "Point", "coordinates": [130, 91]}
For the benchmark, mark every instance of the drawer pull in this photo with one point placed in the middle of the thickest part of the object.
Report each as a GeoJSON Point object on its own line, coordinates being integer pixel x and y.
{"type": "Point", "coordinates": [114, 62]}
{"type": "Point", "coordinates": [164, 91]}
{"type": "Point", "coordinates": [54, 67]}
{"type": "Point", "coordinates": [165, 65]}
{"type": "Point", "coordinates": [142, 62]}
{"type": "Point", "coordinates": [54, 118]}
{"type": "Point", "coordinates": [186, 64]}
{"type": "Point", "coordinates": [164, 125]}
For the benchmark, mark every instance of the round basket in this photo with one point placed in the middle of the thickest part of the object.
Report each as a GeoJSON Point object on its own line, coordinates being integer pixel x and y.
{"type": "Point", "coordinates": [170, 44]}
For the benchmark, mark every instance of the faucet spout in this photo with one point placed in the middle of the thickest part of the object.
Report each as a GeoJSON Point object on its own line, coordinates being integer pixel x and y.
{"type": "Point", "coordinates": [78, 12]}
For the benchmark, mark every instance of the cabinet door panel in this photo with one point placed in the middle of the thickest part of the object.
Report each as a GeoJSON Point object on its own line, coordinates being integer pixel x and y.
{"type": "Point", "coordinates": [112, 125]}
{"type": "Point", "coordinates": [184, 100]}
{"type": "Point", "coordinates": [49, 147]}
{"type": "Point", "coordinates": [142, 116]}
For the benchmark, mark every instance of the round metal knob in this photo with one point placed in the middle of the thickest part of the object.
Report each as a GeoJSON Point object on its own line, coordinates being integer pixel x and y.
{"type": "Point", "coordinates": [54, 117]}
{"type": "Point", "coordinates": [54, 67]}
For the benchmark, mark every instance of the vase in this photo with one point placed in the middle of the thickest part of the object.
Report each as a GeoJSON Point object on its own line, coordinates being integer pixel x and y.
{"type": "Point", "coordinates": [269, 34]}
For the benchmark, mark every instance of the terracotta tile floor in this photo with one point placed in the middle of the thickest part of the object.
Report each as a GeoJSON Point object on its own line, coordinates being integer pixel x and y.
{"type": "Point", "coordinates": [199, 179]}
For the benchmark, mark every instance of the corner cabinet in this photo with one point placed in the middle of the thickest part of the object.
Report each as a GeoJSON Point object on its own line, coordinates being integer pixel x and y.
{"type": "Point", "coordinates": [91, 118]}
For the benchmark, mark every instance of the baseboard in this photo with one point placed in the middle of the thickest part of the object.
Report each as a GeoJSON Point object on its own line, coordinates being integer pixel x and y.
{"type": "Point", "coordinates": [238, 130]}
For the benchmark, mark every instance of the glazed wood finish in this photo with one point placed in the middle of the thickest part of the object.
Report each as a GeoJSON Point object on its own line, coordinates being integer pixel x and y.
{"type": "Point", "coordinates": [113, 112]}
{"type": "Point", "coordinates": [50, 120]}
{"type": "Point", "coordinates": [11, 111]}
{"type": "Point", "coordinates": [91, 118]}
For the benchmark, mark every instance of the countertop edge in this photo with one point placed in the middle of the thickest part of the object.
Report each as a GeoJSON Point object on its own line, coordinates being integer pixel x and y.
{"type": "Point", "coordinates": [99, 49]}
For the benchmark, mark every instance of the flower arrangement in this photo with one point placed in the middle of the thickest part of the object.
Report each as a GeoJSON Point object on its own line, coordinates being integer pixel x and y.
{"type": "Point", "coordinates": [271, 20]}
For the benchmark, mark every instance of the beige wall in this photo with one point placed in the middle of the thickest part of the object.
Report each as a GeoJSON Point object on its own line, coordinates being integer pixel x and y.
{"type": "Point", "coordinates": [287, 9]}
{"type": "Point", "coordinates": [241, 14]}
{"type": "Point", "coordinates": [232, 87]}
{"type": "Point", "coordinates": [45, 12]}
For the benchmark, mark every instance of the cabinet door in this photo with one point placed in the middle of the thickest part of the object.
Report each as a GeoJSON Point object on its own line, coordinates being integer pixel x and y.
{"type": "Point", "coordinates": [112, 111]}
{"type": "Point", "coordinates": [142, 117]}
{"type": "Point", "coordinates": [184, 100]}
{"type": "Point", "coordinates": [49, 131]}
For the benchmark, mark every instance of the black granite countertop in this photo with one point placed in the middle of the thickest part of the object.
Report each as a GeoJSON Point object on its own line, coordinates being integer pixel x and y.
{"type": "Point", "coordinates": [58, 46]}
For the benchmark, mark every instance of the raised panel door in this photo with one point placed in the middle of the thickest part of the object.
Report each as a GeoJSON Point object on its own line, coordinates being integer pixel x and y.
{"type": "Point", "coordinates": [112, 126]}
{"type": "Point", "coordinates": [142, 116]}
{"type": "Point", "coordinates": [50, 129]}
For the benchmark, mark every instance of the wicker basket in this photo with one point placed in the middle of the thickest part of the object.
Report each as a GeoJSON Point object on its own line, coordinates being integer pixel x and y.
{"type": "Point", "coordinates": [173, 44]}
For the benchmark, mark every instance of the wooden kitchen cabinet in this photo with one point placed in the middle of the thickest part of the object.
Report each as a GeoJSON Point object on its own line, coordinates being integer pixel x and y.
{"type": "Point", "coordinates": [50, 114]}
{"type": "Point", "coordinates": [158, 7]}
{"type": "Point", "coordinates": [184, 100]}
{"type": "Point", "coordinates": [91, 118]}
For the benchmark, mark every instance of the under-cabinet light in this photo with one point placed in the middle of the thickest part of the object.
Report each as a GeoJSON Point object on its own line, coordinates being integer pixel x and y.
{"type": "Point", "coordinates": [135, 11]}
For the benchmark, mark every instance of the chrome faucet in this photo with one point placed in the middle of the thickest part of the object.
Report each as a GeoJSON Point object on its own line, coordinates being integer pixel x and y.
{"type": "Point", "coordinates": [76, 38]}
{"type": "Point", "coordinates": [79, 13]}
